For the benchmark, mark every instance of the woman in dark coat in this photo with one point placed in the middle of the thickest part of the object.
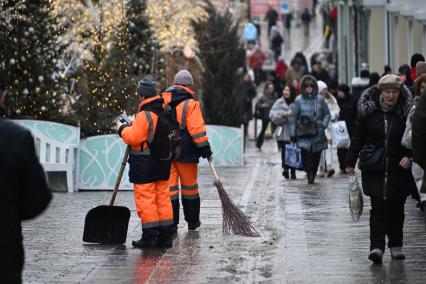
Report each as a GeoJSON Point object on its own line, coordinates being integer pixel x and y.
{"type": "Point", "coordinates": [263, 107]}
{"type": "Point", "coordinates": [344, 99]}
{"type": "Point", "coordinates": [382, 113]}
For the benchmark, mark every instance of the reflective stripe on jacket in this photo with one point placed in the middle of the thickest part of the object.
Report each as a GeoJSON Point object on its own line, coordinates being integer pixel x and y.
{"type": "Point", "coordinates": [143, 167]}
{"type": "Point", "coordinates": [190, 118]}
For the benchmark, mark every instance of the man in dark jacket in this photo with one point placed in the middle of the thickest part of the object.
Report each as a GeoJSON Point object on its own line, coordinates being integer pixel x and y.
{"type": "Point", "coordinates": [24, 192]}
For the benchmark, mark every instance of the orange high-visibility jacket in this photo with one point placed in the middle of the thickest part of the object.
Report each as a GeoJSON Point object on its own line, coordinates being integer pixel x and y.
{"type": "Point", "coordinates": [190, 118]}
{"type": "Point", "coordinates": [143, 167]}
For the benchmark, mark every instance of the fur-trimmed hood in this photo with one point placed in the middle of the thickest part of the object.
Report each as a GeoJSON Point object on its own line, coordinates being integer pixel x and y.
{"type": "Point", "coordinates": [370, 102]}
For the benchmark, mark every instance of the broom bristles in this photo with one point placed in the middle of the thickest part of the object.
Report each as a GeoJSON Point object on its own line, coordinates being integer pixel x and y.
{"type": "Point", "coordinates": [234, 219]}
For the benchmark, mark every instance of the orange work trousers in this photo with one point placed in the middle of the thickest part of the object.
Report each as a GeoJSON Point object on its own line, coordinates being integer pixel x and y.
{"type": "Point", "coordinates": [153, 205]}
{"type": "Point", "coordinates": [186, 174]}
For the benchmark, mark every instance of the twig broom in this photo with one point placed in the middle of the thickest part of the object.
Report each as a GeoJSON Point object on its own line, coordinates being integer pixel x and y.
{"type": "Point", "coordinates": [234, 219]}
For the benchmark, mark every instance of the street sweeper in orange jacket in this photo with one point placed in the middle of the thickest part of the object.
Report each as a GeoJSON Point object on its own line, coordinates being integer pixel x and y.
{"type": "Point", "coordinates": [194, 144]}
{"type": "Point", "coordinates": [149, 175]}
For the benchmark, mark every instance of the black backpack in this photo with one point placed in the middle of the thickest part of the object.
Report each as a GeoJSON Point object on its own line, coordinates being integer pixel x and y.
{"type": "Point", "coordinates": [165, 144]}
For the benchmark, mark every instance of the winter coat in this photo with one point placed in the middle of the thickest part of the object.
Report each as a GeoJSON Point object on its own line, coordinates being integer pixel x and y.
{"type": "Point", "coordinates": [24, 195]}
{"type": "Point", "coordinates": [269, 99]}
{"type": "Point", "coordinates": [282, 122]}
{"type": "Point", "coordinates": [370, 130]}
{"type": "Point", "coordinates": [334, 109]}
{"type": "Point", "coordinates": [144, 168]}
{"type": "Point", "coordinates": [194, 142]}
{"type": "Point", "coordinates": [345, 105]}
{"type": "Point", "coordinates": [293, 74]}
{"type": "Point", "coordinates": [304, 106]}
{"type": "Point", "coordinates": [249, 92]}
{"type": "Point", "coordinates": [419, 135]}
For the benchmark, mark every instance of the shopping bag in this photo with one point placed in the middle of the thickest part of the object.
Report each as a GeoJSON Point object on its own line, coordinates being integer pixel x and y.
{"type": "Point", "coordinates": [340, 135]}
{"type": "Point", "coordinates": [293, 156]}
{"type": "Point", "coordinates": [356, 201]}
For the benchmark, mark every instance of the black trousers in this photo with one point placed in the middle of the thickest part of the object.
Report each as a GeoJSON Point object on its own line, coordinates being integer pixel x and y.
{"type": "Point", "coordinates": [261, 136]}
{"type": "Point", "coordinates": [386, 219]}
{"type": "Point", "coordinates": [341, 154]}
{"type": "Point", "coordinates": [310, 161]}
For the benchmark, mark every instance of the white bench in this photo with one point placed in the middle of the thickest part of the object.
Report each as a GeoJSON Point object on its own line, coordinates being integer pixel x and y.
{"type": "Point", "coordinates": [56, 146]}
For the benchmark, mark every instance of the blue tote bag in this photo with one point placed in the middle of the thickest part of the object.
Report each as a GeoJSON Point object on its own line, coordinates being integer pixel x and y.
{"type": "Point", "coordinates": [293, 156]}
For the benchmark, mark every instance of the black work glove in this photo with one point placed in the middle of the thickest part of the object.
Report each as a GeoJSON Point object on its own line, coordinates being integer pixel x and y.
{"type": "Point", "coordinates": [124, 125]}
{"type": "Point", "coordinates": [205, 152]}
{"type": "Point", "coordinates": [293, 139]}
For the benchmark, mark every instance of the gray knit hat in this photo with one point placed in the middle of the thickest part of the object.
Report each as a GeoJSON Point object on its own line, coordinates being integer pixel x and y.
{"type": "Point", "coordinates": [184, 78]}
{"type": "Point", "coordinates": [420, 68]}
{"type": "Point", "coordinates": [390, 81]}
{"type": "Point", "coordinates": [146, 87]}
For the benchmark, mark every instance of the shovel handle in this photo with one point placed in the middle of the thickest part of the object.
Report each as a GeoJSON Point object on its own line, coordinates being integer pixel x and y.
{"type": "Point", "coordinates": [216, 177]}
{"type": "Point", "coordinates": [120, 174]}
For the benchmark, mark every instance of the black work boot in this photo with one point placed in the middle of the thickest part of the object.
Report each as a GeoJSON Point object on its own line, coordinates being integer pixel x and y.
{"type": "Point", "coordinates": [311, 177]}
{"type": "Point", "coordinates": [145, 242]}
{"type": "Point", "coordinates": [193, 226]}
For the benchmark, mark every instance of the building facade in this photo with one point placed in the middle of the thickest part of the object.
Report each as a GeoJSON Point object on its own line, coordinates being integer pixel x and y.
{"type": "Point", "coordinates": [379, 32]}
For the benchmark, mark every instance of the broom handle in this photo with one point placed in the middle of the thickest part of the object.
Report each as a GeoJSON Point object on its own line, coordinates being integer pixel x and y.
{"type": "Point", "coordinates": [216, 177]}
{"type": "Point", "coordinates": [120, 174]}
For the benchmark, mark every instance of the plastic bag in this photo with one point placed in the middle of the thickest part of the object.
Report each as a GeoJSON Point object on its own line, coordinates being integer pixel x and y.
{"type": "Point", "coordinates": [340, 135]}
{"type": "Point", "coordinates": [293, 156]}
{"type": "Point", "coordinates": [356, 201]}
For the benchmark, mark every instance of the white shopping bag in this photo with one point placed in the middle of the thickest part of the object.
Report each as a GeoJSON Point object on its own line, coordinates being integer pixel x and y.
{"type": "Point", "coordinates": [340, 135]}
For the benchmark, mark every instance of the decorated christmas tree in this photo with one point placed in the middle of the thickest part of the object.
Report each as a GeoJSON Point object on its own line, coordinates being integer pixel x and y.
{"type": "Point", "coordinates": [28, 57]}
{"type": "Point", "coordinates": [222, 55]}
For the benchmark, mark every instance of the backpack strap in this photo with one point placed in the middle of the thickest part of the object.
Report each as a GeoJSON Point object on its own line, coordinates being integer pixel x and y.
{"type": "Point", "coordinates": [184, 114]}
{"type": "Point", "coordinates": [151, 126]}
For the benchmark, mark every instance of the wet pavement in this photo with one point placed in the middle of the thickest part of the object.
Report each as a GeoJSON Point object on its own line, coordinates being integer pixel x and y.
{"type": "Point", "coordinates": [308, 236]}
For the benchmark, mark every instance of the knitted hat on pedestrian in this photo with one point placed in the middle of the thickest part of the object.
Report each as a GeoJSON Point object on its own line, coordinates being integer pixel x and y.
{"type": "Point", "coordinates": [184, 78]}
{"type": "Point", "coordinates": [146, 87]}
{"type": "Point", "coordinates": [416, 57]}
{"type": "Point", "coordinates": [420, 68]}
{"type": "Point", "coordinates": [321, 86]}
{"type": "Point", "coordinates": [390, 81]}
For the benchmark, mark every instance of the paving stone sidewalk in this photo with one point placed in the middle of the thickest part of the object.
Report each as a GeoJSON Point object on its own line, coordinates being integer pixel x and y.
{"type": "Point", "coordinates": [307, 237]}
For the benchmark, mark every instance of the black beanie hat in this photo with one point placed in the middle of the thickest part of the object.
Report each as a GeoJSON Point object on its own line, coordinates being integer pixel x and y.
{"type": "Point", "coordinates": [146, 87]}
{"type": "Point", "coordinates": [416, 58]}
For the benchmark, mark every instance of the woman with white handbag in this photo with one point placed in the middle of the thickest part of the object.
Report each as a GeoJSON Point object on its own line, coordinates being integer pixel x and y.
{"type": "Point", "coordinates": [326, 162]}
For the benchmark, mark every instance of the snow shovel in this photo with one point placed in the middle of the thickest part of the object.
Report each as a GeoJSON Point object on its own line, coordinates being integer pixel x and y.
{"type": "Point", "coordinates": [234, 219]}
{"type": "Point", "coordinates": [107, 224]}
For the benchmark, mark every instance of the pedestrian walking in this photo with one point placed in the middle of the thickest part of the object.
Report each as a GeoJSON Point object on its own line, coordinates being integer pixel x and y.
{"type": "Point", "coordinates": [256, 60]}
{"type": "Point", "coordinates": [276, 41]}
{"type": "Point", "coordinates": [384, 163]}
{"type": "Point", "coordinates": [194, 144]}
{"type": "Point", "coordinates": [280, 116]}
{"type": "Point", "coordinates": [272, 17]}
{"type": "Point", "coordinates": [344, 100]}
{"type": "Point", "coordinates": [419, 130]}
{"type": "Point", "coordinates": [306, 20]}
{"type": "Point", "coordinates": [25, 193]}
{"type": "Point", "coordinates": [326, 162]}
{"type": "Point", "coordinates": [249, 91]}
{"type": "Point", "coordinates": [416, 170]}
{"type": "Point", "coordinates": [263, 107]}
{"type": "Point", "coordinates": [149, 175]}
{"type": "Point", "coordinates": [309, 118]}
{"type": "Point", "coordinates": [295, 73]}
{"type": "Point", "coordinates": [287, 23]}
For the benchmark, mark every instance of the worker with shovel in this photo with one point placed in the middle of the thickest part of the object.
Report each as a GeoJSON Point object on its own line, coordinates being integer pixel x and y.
{"type": "Point", "coordinates": [194, 144]}
{"type": "Point", "coordinates": [149, 175]}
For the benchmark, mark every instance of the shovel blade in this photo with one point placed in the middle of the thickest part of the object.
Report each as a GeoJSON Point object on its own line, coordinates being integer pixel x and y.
{"type": "Point", "coordinates": [106, 224]}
